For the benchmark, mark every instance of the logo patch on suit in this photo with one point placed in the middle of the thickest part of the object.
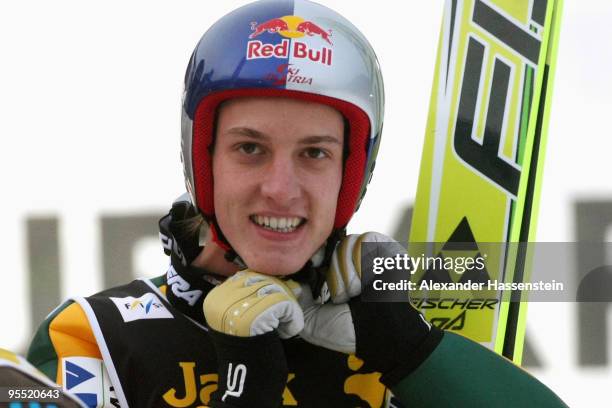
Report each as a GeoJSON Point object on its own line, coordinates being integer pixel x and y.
{"type": "Point", "coordinates": [86, 378]}
{"type": "Point", "coordinates": [148, 306]}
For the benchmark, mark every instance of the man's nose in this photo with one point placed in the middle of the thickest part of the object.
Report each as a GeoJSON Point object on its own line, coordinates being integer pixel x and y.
{"type": "Point", "coordinates": [281, 182]}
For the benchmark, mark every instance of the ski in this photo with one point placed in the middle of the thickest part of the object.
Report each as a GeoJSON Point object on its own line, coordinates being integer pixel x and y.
{"type": "Point", "coordinates": [483, 156]}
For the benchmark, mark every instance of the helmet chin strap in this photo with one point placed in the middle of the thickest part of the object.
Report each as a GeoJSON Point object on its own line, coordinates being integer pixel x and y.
{"type": "Point", "coordinates": [313, 273]}
{"type": "Point", "coordinates": [218, 238]}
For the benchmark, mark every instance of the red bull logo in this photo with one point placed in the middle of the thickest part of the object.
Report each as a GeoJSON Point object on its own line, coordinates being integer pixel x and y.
{"type": "Point", "coordinates": [290, 27]}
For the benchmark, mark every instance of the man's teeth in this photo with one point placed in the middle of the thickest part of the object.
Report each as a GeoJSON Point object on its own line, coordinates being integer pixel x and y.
{"type": "Point", "coordinates": [279, 224]}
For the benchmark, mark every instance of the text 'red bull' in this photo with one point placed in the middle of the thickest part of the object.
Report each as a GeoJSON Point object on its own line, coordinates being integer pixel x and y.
{"type": "Point", "coordinates": [256, 49]}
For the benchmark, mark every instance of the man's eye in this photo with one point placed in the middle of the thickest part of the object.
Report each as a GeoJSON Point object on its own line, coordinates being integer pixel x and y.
{"type": "Point", "coordinates": [249, 148]}
{"type": "Point", "coordinates": [315, 153]}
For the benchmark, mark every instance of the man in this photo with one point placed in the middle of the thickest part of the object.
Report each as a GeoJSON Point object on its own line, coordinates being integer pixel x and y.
{"type": "Point", "coordinates": [282, 116]}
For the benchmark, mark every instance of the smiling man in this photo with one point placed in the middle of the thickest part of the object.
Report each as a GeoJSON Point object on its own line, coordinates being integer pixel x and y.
{"type": "Point", "coordinates": [277, 167]}
{"type": "Point", "coordinates": [260, 305]}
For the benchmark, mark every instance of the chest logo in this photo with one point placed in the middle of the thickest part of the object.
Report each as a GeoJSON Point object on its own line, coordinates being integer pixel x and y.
{"type": "Point", "coordinates": [148, 306]}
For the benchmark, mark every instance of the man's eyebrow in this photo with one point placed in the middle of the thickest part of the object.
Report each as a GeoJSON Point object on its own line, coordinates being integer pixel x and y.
{"type": "Point", "coordinates": [319, 139]}
{"type": "Point", "coordinates": [248, 132]}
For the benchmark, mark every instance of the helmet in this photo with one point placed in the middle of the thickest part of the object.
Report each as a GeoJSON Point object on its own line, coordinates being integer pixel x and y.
{"type": "Point", "coordinates": [283, 48]}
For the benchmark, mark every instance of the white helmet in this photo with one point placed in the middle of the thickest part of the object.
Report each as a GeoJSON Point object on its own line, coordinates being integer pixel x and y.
{"type": "Point", "coordinates": [283, 48]}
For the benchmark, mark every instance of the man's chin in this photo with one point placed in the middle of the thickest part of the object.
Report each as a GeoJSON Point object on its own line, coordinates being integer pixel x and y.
{"type": "Point", "coordinates": [276, 266]}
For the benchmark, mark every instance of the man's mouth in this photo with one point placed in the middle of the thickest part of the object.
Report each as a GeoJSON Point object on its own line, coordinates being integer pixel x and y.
{"type": "Point", "coordinates": [278, 224]}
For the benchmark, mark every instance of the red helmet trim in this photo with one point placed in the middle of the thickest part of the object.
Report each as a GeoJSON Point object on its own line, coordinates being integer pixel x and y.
{"type": "Point", "coordinates": [354, 167]}
{"type": "Point", "coordinates": [217, 239]}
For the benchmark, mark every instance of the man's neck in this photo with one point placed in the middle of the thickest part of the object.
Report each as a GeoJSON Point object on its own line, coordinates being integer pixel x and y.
{"type": "Point", "coordinates": [212, 259]}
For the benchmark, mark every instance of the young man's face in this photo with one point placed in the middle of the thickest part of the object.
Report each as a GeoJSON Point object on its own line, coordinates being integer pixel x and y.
{"type": "Point", "coordinates": [277, 169]}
